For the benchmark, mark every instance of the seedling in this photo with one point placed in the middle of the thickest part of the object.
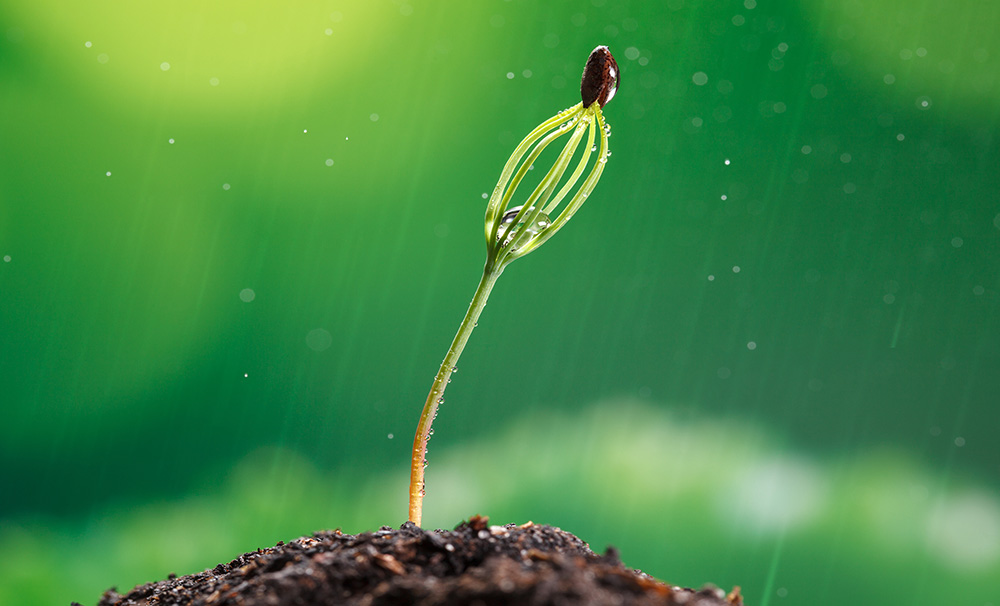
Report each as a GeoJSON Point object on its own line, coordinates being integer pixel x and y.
{"type": "Point", "coordinates": [514, 231]}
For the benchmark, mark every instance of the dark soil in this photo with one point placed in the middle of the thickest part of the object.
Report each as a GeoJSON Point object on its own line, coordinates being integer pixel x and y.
{"type": "Point", "coordinates": [474, 564]}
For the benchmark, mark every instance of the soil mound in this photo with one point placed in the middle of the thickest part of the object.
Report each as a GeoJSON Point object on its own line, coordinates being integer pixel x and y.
{"type": "Point", "coordinates": [476, 563]}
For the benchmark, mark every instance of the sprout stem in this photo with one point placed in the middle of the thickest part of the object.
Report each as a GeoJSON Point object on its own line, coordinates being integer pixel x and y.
{"type": "Point", "coordinates": [419, 459]}
{"type": "Point", "coordinates": [523, 230]}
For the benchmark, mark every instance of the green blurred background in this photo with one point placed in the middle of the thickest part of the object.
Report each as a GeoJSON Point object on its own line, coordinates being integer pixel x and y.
{"type": "Point", "coordinates": [237, 239]}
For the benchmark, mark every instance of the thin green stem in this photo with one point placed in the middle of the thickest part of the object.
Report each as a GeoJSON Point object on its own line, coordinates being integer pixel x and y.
{"type": "Point", "coordinates": [543, 192]}
{"type": "Point", "coordinates": [436, 396]}
{"type": "Point", "coordinates": [494, 208]}
{"type": "Point", "coordinates": [573, 178]}
{"type": "Point", "coordinates": [526, 165]}
{"type": "Point", "coordinates": [522, 242]}
{"type": "Point", "coordinates": [581, 195]}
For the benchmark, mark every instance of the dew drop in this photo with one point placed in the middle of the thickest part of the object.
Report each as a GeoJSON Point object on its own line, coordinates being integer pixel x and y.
{"type": "Point", "coordinates": [506, 233]}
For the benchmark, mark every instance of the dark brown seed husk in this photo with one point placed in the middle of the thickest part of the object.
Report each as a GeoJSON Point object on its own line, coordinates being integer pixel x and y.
{"type": "Point", "coordinates": [600, 77]}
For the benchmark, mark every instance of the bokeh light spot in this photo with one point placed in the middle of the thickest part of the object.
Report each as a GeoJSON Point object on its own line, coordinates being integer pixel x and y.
{"type": "Point", "coordinates": [319, 339]}
{"type": "Point", "coordinates": [964, 531]}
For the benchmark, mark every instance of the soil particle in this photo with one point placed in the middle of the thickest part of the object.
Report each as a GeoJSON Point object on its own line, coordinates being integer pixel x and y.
{"type": "Point", "coordinates": [475, 564]}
